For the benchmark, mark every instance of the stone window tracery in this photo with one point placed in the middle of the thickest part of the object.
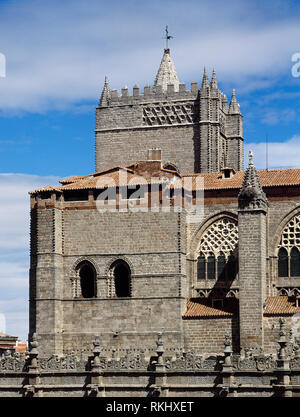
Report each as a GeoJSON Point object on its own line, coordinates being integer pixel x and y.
{"type": "Point", "coordinates": [288, 256]}
{"type": "Point", "coordinates": [217, 257]}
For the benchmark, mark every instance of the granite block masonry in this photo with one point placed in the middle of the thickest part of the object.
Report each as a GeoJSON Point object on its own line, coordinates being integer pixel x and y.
{"type": "Point", "coordinates": [142, 302]}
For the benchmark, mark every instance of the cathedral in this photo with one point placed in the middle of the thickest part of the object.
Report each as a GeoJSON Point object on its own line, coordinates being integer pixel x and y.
{"type": "Point", "coordinates": [169, 270]}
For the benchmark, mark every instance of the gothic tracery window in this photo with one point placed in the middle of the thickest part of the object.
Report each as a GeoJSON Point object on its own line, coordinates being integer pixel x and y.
{"type": "Point", "coordinates": [289, 250]}
{"type": "Point", "coordinates": [217, 259]}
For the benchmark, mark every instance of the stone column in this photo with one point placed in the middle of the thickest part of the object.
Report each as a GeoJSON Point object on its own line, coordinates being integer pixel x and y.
{"type": "Point", "coordinates": [47, 276]}
{"type": "Point", "coordinates": [33, 371]}
{"type": "Point", "coordinates": [252, 211]}
{"type": "Point", "coordinates": [227, 371]}
{"type": "Point", "coordinates": [96, 387]}
{"type": "Point", "coordinates": [159, 388]}
{"type": "Point", "coordinates": [283, 370]}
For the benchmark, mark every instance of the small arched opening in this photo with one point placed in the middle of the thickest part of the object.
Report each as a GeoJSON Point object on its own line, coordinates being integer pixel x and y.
{"type": "Point", "coordinates": [87, 276]}
{"type": "Point", "coordinates": [283, 262]}
{"type": "Point", "coordinates": [295, 262]}
{"type": "Point", "coordinates": [122, 279]}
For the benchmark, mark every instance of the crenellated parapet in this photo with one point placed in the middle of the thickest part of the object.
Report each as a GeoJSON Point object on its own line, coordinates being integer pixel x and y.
{"type": "Point", "coordinates": [128, 121]}
{"type": "Point", "coordinates": [147, 94]}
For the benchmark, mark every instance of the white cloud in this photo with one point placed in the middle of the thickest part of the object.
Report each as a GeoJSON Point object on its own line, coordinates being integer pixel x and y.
{"type": "Point", "coordinates": [280, 154]}
{"type": "Point", "coordinates": [275, 116]}
{"type": "Point", "coordinates": [15, 207]}
{"type": "Point", "coordinates": [14, 248]}
{"type": "Point", "coordinates": [66, 48]}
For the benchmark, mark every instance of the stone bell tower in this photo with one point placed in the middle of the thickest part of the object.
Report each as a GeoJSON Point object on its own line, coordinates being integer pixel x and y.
{"type": "Point", "coordinates": [197, 129]}
{"type": "Point", "coordinates": [252, 212]}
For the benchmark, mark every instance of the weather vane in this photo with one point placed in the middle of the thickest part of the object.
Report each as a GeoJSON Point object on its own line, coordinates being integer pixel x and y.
{"type": "Point", "coordinates": [167, 37]}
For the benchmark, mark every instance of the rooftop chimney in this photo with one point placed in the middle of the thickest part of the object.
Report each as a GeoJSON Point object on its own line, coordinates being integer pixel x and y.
{"type": "Point", "coordinates": [154, 154]}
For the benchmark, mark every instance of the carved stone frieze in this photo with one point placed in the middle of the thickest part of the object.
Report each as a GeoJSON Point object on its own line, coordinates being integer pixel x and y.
{"type": "Point", "coordinates": [168, 114]}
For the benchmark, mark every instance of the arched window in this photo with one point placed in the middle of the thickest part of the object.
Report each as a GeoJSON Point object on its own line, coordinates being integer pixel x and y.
{"type": "Point", "coordinates": [171, 167]}
{"type": "Point", "coordinates": [211, 267]}
{"type": "Point", "coordinates": [221, 262]}
{"type": "Point", "coordinates": [231, 267]}
{"type": "Point", "coordinates": [87, 276]}
{"type": "Point", "coordinates": [122, 279]}
{"type": "Point", "coordinates": [283, 268]}
{"type": "Point", "coordinates": [201, 267]}
{"type": "Point", "coordinates": [295, 263]}
{"type": "Point", "coordinates": [217, 247]}
{"type": "Point", "coordinates": [288, 250]}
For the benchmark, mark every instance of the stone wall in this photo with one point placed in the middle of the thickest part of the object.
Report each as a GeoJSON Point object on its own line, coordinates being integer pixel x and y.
{"type": "Point", "coordinates": [153, 250]}
{"type": "Point", "coordinates": [124, 146]}
{"type": "Point", "coordinates": [194, 129]}
{"type": "Point", "coordinates": [160, 250]}
{"type": "Point", "coordinates": [206, 335]}
{"type": "Point", "coordinates": [113, 373]}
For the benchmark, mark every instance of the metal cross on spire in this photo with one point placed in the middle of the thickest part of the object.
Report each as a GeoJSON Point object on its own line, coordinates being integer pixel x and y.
{"type": "Point", "coordinates": [167, 37]}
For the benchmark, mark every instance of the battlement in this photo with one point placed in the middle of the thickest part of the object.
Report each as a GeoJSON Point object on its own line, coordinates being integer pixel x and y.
{"type": "Point", "coordinates": [157, 94]}
{"type": "Point", "coordinates": [195, 126]}
{"type": "Point", "coordinates": [123, 97]}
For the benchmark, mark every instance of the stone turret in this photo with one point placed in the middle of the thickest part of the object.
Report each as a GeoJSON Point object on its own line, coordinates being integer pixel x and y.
{"type": "Point", "coordinates": [166, 74]}
{"type": "Point", "coordinates": [105, 96]}
{"type": "Point", "coordinates": [234, 107]}
{"type": "Point", "coordinates": [252, 210]}
{"type": "Point", "coordinates": [251, 196]}
{"type": "Point", "coordinates": [234, 130]}
{"type": "Point", "coordinates": [214, 82]}
{"type": "Point", "coordinates": [205, 82]}
{"type": "Point", "coordinates": [195, 128]}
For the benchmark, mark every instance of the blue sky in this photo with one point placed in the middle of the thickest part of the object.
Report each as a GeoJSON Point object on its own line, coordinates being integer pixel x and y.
{"type": "Point", "coordinates": [57, 54]}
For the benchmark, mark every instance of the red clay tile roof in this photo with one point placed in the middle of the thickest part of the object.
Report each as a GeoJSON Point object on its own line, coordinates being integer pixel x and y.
{"type": "Point", "coordinates": [270, 178]}
{"type": "Point", "coordinates": [21, 347]}
{"type": "Point", "coordinates": [202, 307]}
{"type": "Point", "coordinates": [280, 305]}
{"type": "Point", "coordinates": [7, 335]}
{"type": "Point", "coordinates": [93, 181]}
{"type": "Point", "coordinates": [212, 181]}
{"type": "Point", "coordinates": [69, 180]}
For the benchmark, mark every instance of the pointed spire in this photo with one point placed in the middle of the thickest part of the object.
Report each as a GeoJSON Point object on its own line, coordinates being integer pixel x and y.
{"type": "Point", "coordinates": [105, 96]}
{"type": "Point", "coordinates": [205, 82]}
{"type": "Point", "coordinates": [166, 73]}
{"type": "Point", "coordinates": [251, 196]}
{"type": "Point", "coordinates": [234, 106]}
{"type": "Point", "coordinates": [214, 82]}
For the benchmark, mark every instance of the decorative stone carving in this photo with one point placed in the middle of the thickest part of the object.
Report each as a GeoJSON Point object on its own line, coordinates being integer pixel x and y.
{"type": "Point", "coordinates": [290, 236]}
{"type": "Point", "coordinates": [251, 195]}
{"type": "Point", "coordinates": [218, 292]}
{"type": "Point", "coordinates": [221, 236]}
{"type": "Point", "coordinates": [168, 114]}
{"type": "Point", "coordinates": [128, 362]}
{"type": "Point", "coordinates": [13, 363]}
{"type": "Point", "coordinates": [288, 291]}
{"type": "Point", "coordinates": [189, 361]}
{"type": "Point", "coordinates": [68, 362]}
{"type": "Point", "coordinates": [259, 363]}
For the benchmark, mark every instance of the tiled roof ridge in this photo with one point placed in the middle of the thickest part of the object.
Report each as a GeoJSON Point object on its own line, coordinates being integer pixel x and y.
{"type": "Point", "coordinates": [69, 180]}
{"type": "Point", "coordinates": [277, 305]}
{"type": "Point", "coordinates": [212, 181]}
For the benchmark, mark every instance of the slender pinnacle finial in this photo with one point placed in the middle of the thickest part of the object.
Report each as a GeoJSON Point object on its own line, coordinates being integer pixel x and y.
{"type": "Point", "coordinates": [167, 37]}
{"type": "Point", "coordinates": [105, 95]}
{"type": "Point", "coordinates": [250, 157]}
{"type": "Point", "coordinates": [205, 82]}
{"type": "Point", "coordinates": [214, 83]}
